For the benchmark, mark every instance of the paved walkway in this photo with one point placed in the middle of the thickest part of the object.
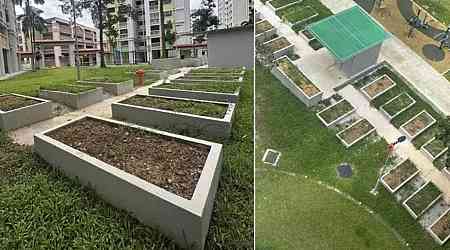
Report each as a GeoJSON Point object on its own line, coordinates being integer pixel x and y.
{"type": "Point", "coordinates": [102, 109]}
{"type": "Point", "coordinates": [390, 133]}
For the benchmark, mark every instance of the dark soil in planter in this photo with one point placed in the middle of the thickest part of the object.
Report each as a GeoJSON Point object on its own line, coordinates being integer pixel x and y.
{"type": "Point", "coordinates": [183, 106]}
{"type": "Point", "coordinates": [169, 163]}
{"type": "Point", "coordinates": [11, 102]}
{"type": "Point", "coordinates": [345, 170]}
{"type": "Point", "coordinates": [442, 227]}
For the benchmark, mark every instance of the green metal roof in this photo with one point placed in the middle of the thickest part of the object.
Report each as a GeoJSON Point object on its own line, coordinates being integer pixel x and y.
{"type": "Point", "coordinates": [348, 33]}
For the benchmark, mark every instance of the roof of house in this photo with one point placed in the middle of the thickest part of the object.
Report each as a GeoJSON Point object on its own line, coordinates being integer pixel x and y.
{"type": "Point", "coordinates": [348, 33]}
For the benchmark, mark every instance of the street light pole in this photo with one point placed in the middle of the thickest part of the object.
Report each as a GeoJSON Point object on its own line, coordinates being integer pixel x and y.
{"type": "Point", "coordinates": [77, 52]}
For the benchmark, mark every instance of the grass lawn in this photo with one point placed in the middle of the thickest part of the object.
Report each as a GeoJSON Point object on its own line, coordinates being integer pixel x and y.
{"type": "Point", "coordinates": [217, 87]}
{"type": "Point", "coordinates": [440, 9]}
{"type": "Point", "coordinates": [281, 3]}
{"type": "Point", "coordinates": [70, 88]}
{"type": "Point", "coordinates": [285, 124]}
{"type": "Point", "coordinates": [42, 209]}
{"type": "Point", "coordinates": [318, 7]}
{"type": "Point", "coordinates": [29, 83]}
{"type": "Point", "coordinates": [288, 209]}
{"type": "Point", "coordinates": [296, 13]}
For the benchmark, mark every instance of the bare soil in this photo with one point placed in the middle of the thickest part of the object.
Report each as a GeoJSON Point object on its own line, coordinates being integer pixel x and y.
{"type": "Point", "coordinates": [416, 125]}
{"type": "Point", "coordinates": [378, 86]}
{"type": "Point", "coordinates": [400, 174]}
{"type": "Point", "coordinates": [355, 132]}
{"type": "Point", "coordinates": [442, 227]}
{"type": "Point", "coordinates": [169, 163]}
{"type": "Point", "coordinates": [11, 102]}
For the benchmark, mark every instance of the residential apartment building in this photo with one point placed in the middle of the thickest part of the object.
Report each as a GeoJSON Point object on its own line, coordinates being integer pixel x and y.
{"type": "Point", "coordinates": [140, 39]}
{"type": "Point", "coordinates": [8, 39]}
{"type": "Point", "coordinates": [56, 47]}
{"type": "Point", "coordinates": [233, 13]}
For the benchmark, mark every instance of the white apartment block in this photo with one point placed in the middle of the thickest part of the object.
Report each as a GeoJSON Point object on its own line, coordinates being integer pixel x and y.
{"type": "Point", "coordinates": [233, 13]}
{"type": "Point", "coordinates": [8, 40]}
{"type": "Point", "coordinates": [140, 40]}
{"type": "Point", "coordinates": [57, 45]}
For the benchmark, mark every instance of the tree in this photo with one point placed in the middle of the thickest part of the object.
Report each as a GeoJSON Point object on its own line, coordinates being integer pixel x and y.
{"type": "Point", "coordinates": [204, 18]}
{"type": "Point", "coordinates": [30, 13]}
{"type": "Point", "coordinates": [162, 29]}
{"type": "Point", "coordinates": [444, 136]}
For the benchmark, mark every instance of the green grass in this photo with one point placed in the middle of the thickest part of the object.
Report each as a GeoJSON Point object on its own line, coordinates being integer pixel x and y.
{"type": "Point", "coordinates": [281, 3]}
{"type": "Point", "coordinates": [70, 88]}
{"type": "Point", "coordinates": [398, 104]}
{"type": "Point", "coordinates": [285, 124]}
{"type": "Point", "coordinates": [220, 88]}
{"type": "Point", "coordinates": [336, 111]}
{"type": "Point", "coordinates": [440, 9]}
{"type": "Point", "coordinates": [298, 78]}
{"type": "Point", "coordinates": [296, 13]}
{"type": "Point", "coordinates": [30, 82]}
{"type": "Point", "coordinates": [297, 213]}
{"type": "Point", "coordinates": [435, 147]}
{"type": "Point", "coordinates": [321, 10]}
{"type": "Point", "coordinates": [42, 209]}
{"type": "Point", "coordinates": [182, 106]}
{"type": "Point", "coordinates": [421, 200]}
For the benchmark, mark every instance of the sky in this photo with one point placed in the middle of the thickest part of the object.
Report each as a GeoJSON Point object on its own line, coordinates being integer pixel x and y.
{"type": "Point", "coordinates": [51, 9]}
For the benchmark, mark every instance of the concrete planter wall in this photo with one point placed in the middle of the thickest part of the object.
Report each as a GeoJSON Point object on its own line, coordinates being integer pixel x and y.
{"type": "Point", "coordinates": [394, 189]}
{"type": "Point", "coordinates": [281, 52]}
{"type": "Point", "coordinates": [433, 234]}
{"type": "Point", "coordinates": [114, 88]}
{"type": "Point", "coordinates": [410, 211]}
{"type": "Point", "coordinates": [21, 117]}
{"type": "Point", "coordinates": [214, 128]}
{"type": "Point", "coordinates": [422, 130]}
{"type": "Point", "coordinates": [194, 94]}
{"type": "Point", "coordinates": [76, 101]}
{"type": "Point", "coordinates": [294, 89]}
{"type": "Point", "coordinates": [184, 221]}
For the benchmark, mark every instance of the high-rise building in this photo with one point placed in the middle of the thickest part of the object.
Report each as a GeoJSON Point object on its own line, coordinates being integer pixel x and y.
{"type": "Point", "coordinates": [140, 37]}
{"type": "Point", "coordinates": [234, 13]}
{"type": "Point", "coordinates": [8, 39]}
{"type": "Point", "coordinates": [56, 46]}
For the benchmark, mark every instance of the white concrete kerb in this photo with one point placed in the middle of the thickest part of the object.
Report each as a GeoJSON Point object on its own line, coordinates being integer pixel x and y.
{"type": "Point", "coordinates": [420, 131]}
{"type": "Point", "coordinates": [382, 92]}
{"type": "Point", "coordinates": [393, 190]}
{"type": "Point", "coordinates": [410, 211]}
{"type": "Point", "coordinates": [435, 237]}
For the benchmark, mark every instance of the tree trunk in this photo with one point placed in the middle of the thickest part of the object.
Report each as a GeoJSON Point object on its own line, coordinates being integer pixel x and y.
{"type": "Point", "coordinates": [162, 29]}
{"type": "Point", "coordinates": [28, 14]}
{"type": "Point", "coordinates": [33, 48]}
{"type": "Point", "coordinates": [100, 18]}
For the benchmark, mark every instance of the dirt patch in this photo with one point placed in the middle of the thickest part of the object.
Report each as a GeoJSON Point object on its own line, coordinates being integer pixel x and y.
{"type": "Point", "coordinates": [12, 102]}
{"type": "Point", "coordinates": [400, 174]}
{"type": "Point", "coordinates": [442, 227]}
{"type": "Point", "coordinates": [169, 163]}
{"type": "Point", "coordinates": [378, 86]}
{"type": "Point", "coordinates": [355, 132]}
{"type": "Point", "coordinates": [183, 106]}
{"type": "Point", "coordinates": [418, 124]}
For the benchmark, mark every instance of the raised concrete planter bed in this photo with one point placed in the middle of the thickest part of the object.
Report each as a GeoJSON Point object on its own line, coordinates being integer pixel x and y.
{"type": "Point", "coordinates": [296, 14]}
{"type": "Point", "coordinates": [378, 87]}
{"type": "Point", "coordinates": [421, 200]}
{"type": "Point", "coordinates": [434, 149]}
{"type": "Point", "coordinates": [281, 4]}
{"type": "Point", "coordinates": [185, 92]}
{"type": "Point", "coordinates": [279, 47]}
{"type": "Point", "coordinates": [240, 70]}
{"type": "Point", "coordinates": [418, 124]}
{"type": "Point", "coordinates": [184, 220]}
{"type": "Point", "coordinates": [399, 175]}
{"type": "Point", "coordinates": [204, 80]}
{"type": "Point", "coordinates": [37, 111]}
{"type": "Point", "coordinates": [213, 77]}
{"type": "Point", "coordinates": [397, 105]}
{"type": "Point", "coordinates": [335, 113]}
{"type": "Point", "coordinates": [74, 100]}
{"type": "Point", "coordinates": [355, 133]}
{"type": "Point", "coordinates": [297, 83]}
{"type": "Point", "coordinates": [440, 229]}
{"type": "Point", "coordinates": [164, 118]}
{"type": "Point", "coordinates": [116, 89]}
{"type": "Point", "coordinates": [264, 31]}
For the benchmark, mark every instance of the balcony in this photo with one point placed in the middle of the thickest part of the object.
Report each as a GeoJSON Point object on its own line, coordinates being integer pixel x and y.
{"type": "Point", "coordinates": [155, 33]}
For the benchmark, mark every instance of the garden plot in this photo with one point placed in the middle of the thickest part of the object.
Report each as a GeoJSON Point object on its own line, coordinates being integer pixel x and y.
{"type": "Point", "coordinates": [109, 85]}
{"type": "Point", "coordinates": [397, 105]}
{"type": "Point", "coordinates": [219, 70]}
{"type": "Point", "coordinates": [335, 113]}
{"type": "Point", "coordinates": [279, 47]}
{"type": "Point", "coordinates": [207, 92]}
{"type": "Point", "coordinates": [378, 87]}
{"type": "Point", "coordinates": [18, 111]}
{"type": "Point", "coordinates": [434, 149]}
{"type": "Point", "coordinates": [355, 133]}
{"type": "Point", "coordinates": [297, 13]}
{"type": "Point", "coordinates": [74, 96]}
{"type": "Point", "coordinates": [399, 175]}
{"type": "Point", "coordinates": [165, 180]}
{"type": "Point", "coordinates": [440, 229]}
{"type": "Point", "coordinates": [198, 118]}
{"type": "Point", "coordinates": [279, 4]}
{"type": "Point", "coordinates": [409, 188]}
{"type": "Point", "coordinates": [418, 124]}
{"type": "Point", "coordinates": [264, 31]}
{"type": "Point", "coordinates": [422, 199]}
{"type": "Point", "coordinates": [293, 79]}
{"type": "Point", "coordinates": [215, 78]}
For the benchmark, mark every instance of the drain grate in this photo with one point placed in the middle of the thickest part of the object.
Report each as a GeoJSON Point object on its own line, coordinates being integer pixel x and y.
{"type": "Point", "coordinates": [345, 170]}
{"type": "Point", "coordinates": [271, 157]}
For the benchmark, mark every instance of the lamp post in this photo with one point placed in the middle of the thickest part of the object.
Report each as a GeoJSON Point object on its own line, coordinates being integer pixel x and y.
{"type": "Point", "coordinates": [391, 147]}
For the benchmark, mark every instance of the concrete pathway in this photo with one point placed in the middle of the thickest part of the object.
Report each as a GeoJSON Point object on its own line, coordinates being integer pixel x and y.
{"type": "Point", "coordinates": [102, 109]}
{"type": "Point", "coordinates": [390, 133]}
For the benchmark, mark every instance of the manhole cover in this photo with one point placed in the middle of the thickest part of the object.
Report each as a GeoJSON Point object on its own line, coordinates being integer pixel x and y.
{"type": "Point", "coordinates": [271, 157]}
{"type": "Point", "coordinates": [433, 52]}
{"type": "Point", "coordinates": [345, 170]}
